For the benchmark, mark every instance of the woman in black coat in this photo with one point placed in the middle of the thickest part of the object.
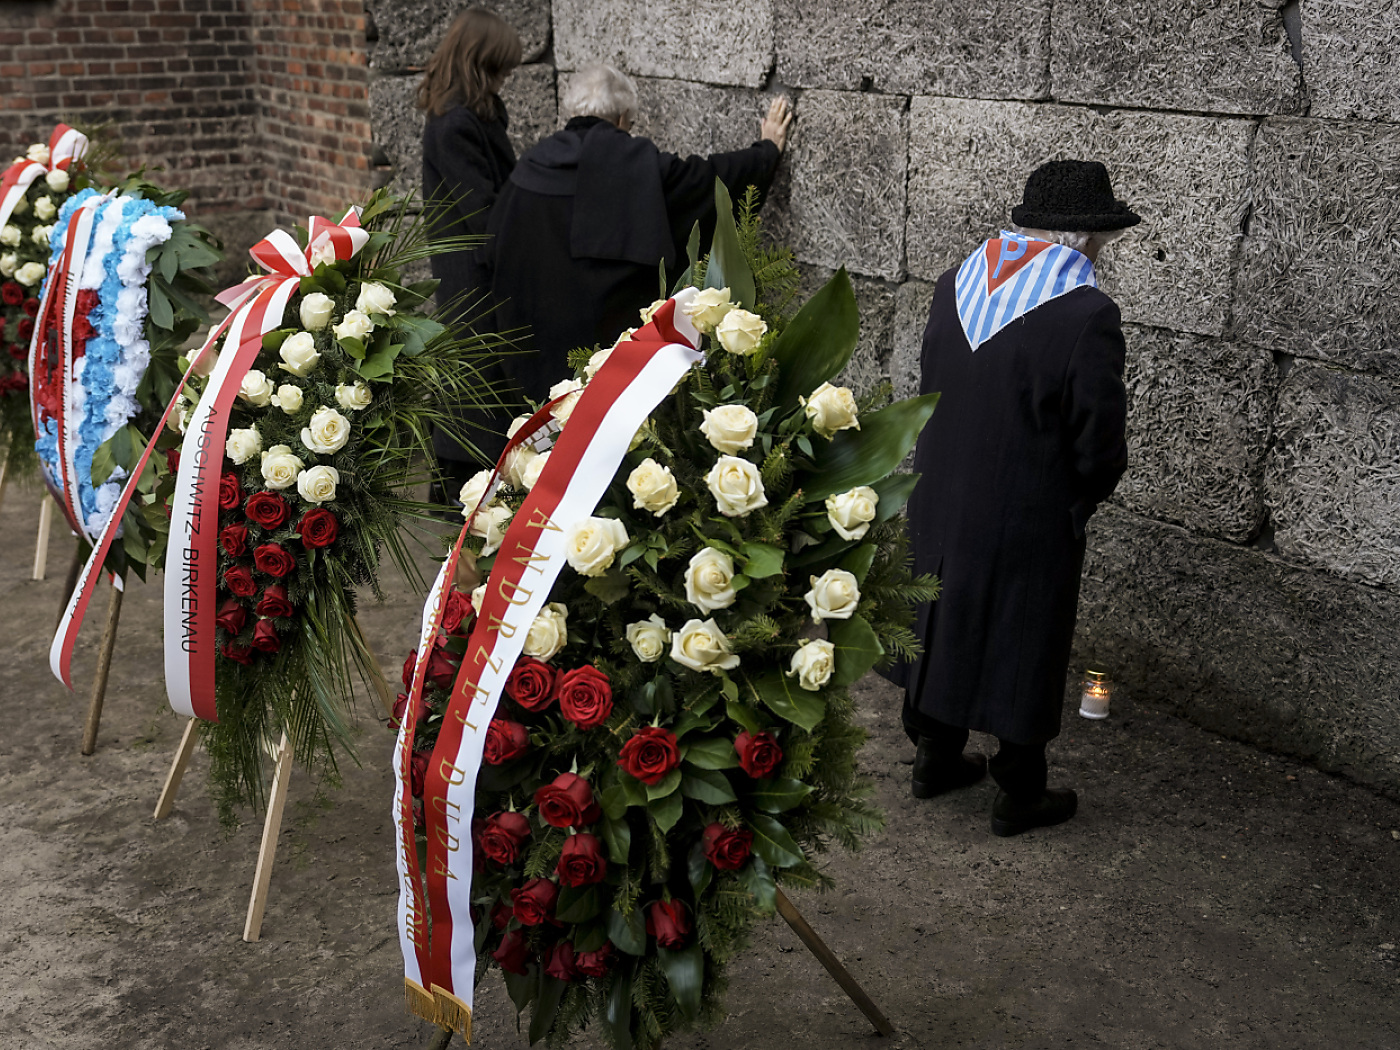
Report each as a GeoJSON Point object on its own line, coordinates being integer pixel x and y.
{"type": "Point", "coordinates": [467, 158]}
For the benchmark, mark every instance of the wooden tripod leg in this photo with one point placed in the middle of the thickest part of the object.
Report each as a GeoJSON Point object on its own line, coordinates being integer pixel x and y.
{"type": "Point", "coordinates": [376, 678]}
{"type": "Point", "coordinates": [104, 664]}
{"type": "Point", "coordinates": [177, 771]}
{"type": "Point", "coordinates": [4, 476]}
{"type": "Point", "coordinates": [41, 545]}
{"type": "Point", "coordinates": [833, 965]}
{"type": "Point", "coordinates": [272, 828]}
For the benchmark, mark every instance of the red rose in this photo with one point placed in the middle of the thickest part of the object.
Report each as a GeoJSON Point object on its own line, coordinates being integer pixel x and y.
{"type": "Point", "coordinates": [241, 653]}
{"type": "Point", "coordinates": [531, 684]}
{"type": "Point", "coordinates": [18, 352]}
{"type": "Point", "coordinates": [442, 667]}
{"type": "Point", "coordinates": [727, 849]}
{"type": "Point", "coordinates": [11, 293]}
{"type": "Point", "coordinates": [418, 822]}
{"type": "Point", "coordinates": [501, 914]}
{"type": "Point", "coordinates": [668, 922]}
{"type": "Point", "coordinates": [408, 666]}
{"type": "Point", "coordinates": [239, 580]}
{"type": "Point", "coordinates": [267, 509]}
{"type": "Point", "coordinates": [172, 459]}
{"type": "Point", "coordinates": [650, 754]}
{"type": "Point", "coordinates": [457, 609]}
{"type": "Point", "coordinates": [31, 307]}
{"type": "Point", "coordinates": [273, 559]}
{"type": "Point", "coordinates": [318, 528]}
{"type": "Point", "coordinates": [274, 603]}
{"type": "Point", "coordinates": [25, 329]}
{"type": "Point", "coordinates": [534, 902]}
{"type": "Point", "coordinates": [568, 802]}
{"type": "Point", "coordinates": [581, 863]}
{"type": "Point", "coordinates": [560, 962]}
{"type": "Point", "coordinates": [230, 492]}
{"type": "Point", "coordinates": [265, 637]}
{"type": "Point", "coordinates": [505, 740]}
{"type": "Point", "coordinates": [513, 954]}
{"type": "Point", "coordinates": [502, 835]}
{"type": "Point", "coordinates": [594, 964]}
{"type": "Point", "coordinates": [418, 772]}
{"type": "Point", "coordinates": [234, 540]}
{"type": "Point", "coordinates": [231, 616]}
{"type": "Point", "coordinates": [401, 707]}
{"type": "Point", "coordinates": [759, 754]}
{"type": "Point", "coordinates": [585, 697]}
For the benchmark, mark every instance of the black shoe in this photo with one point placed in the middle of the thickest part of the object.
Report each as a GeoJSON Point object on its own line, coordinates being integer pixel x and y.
{"type": "Point", "coordinates": [1010, 817]}
{"type": "Point", "coordinates": [933, 778]}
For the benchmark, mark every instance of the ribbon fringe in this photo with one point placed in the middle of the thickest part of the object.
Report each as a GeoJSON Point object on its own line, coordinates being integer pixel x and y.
{"type": "Point", "coordinates": [453, 1013]}
{"type": "Point", "coordinates": [418, 1001]}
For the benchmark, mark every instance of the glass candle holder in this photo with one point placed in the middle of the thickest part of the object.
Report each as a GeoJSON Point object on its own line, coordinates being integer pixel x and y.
{"type": "Point", "coordinates": [1093, 702]}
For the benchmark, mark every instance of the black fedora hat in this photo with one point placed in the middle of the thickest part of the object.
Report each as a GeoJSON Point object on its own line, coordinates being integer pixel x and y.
{"type": "Point", "coordinates": [1072, 195]}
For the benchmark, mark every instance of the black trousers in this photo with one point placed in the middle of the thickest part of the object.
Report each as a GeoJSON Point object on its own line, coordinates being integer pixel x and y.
{"type": "Point", "coordinates": [1018, 769]}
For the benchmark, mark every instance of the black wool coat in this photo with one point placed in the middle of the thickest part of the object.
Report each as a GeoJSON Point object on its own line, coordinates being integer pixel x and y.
{"type": "Point", "coordinates": [1027, 439]}
{"type": "Point", "coordinates": [580, 228]}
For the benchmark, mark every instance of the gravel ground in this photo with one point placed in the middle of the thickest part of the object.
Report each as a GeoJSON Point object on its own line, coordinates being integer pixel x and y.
{"type": "Point", "coordinates": [1208, 894]}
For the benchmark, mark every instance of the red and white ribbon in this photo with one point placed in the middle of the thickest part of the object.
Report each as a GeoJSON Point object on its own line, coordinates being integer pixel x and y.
{"type": "Point", "coordinates": [65, 146]}
{"type": "Point", "coordinates": [641, 372]}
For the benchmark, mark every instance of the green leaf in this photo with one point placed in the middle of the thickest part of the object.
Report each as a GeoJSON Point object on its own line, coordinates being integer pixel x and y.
{"type": "Point", "coordinates": [685, 973]}
{"type": "Point", "coordinates": [619, 1011]}
{"type": "Point", "coordinates": [417, 332]}
{"type": "Point", "coordinates": [169, 264]}
{"type": "Point", "coordinates": [786, 699]}
{"type": "Point", "coordinates": [709, 786]}
{"type": "Point", "coordinates": [667, 811]}
{"type": "Point", "coordinates": [522, 987]}
{"type": "Point", "coordinates": [772, 842]}
{"type": "Point", "coordinates": [861, 457]}
{"type": "Point", "coordinates": [617, 835]}
{"type": "Point", "coordinates": [590, 936]}
{"type": "Point", "coordinates": [273, 340]}
{"type": "Point", "coordinates": [354, 347]}
{"type": "Point", "coordinates": [758, 880]}
{"type": "Point", "coordinates": [699, 869]}
{"type": "Point", "coordinates": [858, 561]}
{"type": "Point", "coordinates": [729, 688]}
{"type": "Point", "coordinates": [761, 560]}
{"type": "Point", "coordinates": [628, 932]}
{"type": "Point", "coordinates": [610, 587]}
{"type": "Point", "coordinates": [778, 795]}
{"type": "Point", "coordinates": [894, 492]}
{"type": "Point", "coordinates": [158, 306]}
{"type": "Point", "coordinates": [578, 904]}
{"type": "Point", "coordinates": [818, 343]}
{"type": "Point", "coordinates": [727, 267]}
{"type": "Point", "coordinates": [712, 753]}
{"type": "Point", "coordinates": [552, 989]}
{"type": "Point", "coordinates": [665, 786]}
{"type": "Point", "coordinates": [689, 721]}
{"type": "Point", "coordinates": [745, 715]}
{"type": "Point", "coordinates": [857, 649]}
{"type": "Point", "coordinates": [614, 801]}
{"type": "Point", "coordinates": [380, 363]}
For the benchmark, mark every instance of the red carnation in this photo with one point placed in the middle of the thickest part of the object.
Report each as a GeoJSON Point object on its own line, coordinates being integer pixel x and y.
{"type": "Point", "coordinates": [726, 848]}
{"type": "Point", "coordinates": [318, 528]}
{"type": "Point", "coordinates": [241, 653]}
{"type": "Point", "coordinates": [513, 954]}
{"type": "Point", "coordinates": [232, 538]}
{"type": "Point", "coordinates": [230, 492]}
{"type": "Point", "coordinates": [531, 684]}
{"type": "Point", "coordinates": [668, 922]}
{"type": "Point", "coordinates": [239, 580]}
{"type": "Point", "coordinates": [505, 740]}
{"type": "Point", "coordinates": [568, 802]}
{"type": "Point", "coordinates": [274, 603]}
{"type": "Point", "coordinates": [418, 772]}
{"type": "Point", "coordinates": [274, 559]}
{"type": "Point", "coordinates": [650, 754]}
{"type": "Point", "coordinates": [759, 754]}
{"type": "Point", "coordinates": [265, 637]}
{"type": "Point", "coordinates": [560, 962]}
{"type": "Point", "coordinates": [31, 306]}
{"type": "Point", "coordinates": [442, 667]}
{"type": "Point", "coordinates": [582, 863]}
{"type": "Point", "coordinates": [534, 902]}
{"type": "Point", "coordinates": [502, 835]}
{"type": "Point", "coordinates": [457, 609]}
{"type": "Point", "coordinates": [267, 509]}
{"type": "Point", "coordinates": [11, 293]}
{"type": "Point", "coordinates": [595, 963]}
{"type": "Point", "coordinates": [585, 697]}
{"type": "Point", "coordinates": [231, 616]}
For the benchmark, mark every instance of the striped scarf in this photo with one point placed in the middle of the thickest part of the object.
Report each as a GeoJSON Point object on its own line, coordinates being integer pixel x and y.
{"type": "Point", "coordinates": [1010, 276]}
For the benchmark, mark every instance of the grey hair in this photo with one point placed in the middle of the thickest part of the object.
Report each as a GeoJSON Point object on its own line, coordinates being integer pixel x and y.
{"type": "Point", "coordinates": [1079, 240]}
{"type": "Point", "coordinates": [599, 90]}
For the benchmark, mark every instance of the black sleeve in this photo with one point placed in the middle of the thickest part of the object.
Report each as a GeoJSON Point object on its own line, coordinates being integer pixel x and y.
{"type": "Point", "coordinates": [689, 186]}
{"type": "Point", "coordinates": [1096, 411]}
{"type": "Point", "coordinates": [457, 149]}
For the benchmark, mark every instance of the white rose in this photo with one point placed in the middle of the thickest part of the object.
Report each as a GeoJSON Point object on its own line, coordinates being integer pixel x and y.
{"type": "Point", "coordinates": [317, 485]}
{"type": "Point", "coordinates": [206, 365]}
{"type": "Point", "coordinates": [709, 580]}
{"type": "Point", "coordinates": [473, 490]}
{"type": "Point", "coordinates": [478, 595]}
{"type": "Point", "coordinates": [30, 274]}
{"type": "Point", "coordinates": [44, 209]}
{"type": "Point", "coordinates": [834, 595]}
{"type": "Point", "coordinates": [708, 307]}
{"type": "Point", "coordinates": [21, 205]}
{"type": "Point", "coordinates": [288, 398]}
{"type": "Point", "coordinates": [10, 235]}
{"type": "Point", "coordinates": [649, 638]}
{"type": "Point", "coordinates": [9, 263]}
{"type": "Point", "coordinates": [243, 444]}
{"type": "Point", "coordinates": [375, 298]}
{"type": "Point", "coordinates": [355, 325]}
{"type": "Point", "coordinates": [649, 312]}
{"type": "Point", "coordinates": [517, 462]}
{"type": "Point", "coordinates": [280, 468]}
{"type": "Point", "coordinates": [851, 512]}
{"type": "Point", "coordinates": [322, 252]}
{"type": "Point", "coordinates": [298, 353]}
{"type": "Point", "coordinates": [490, 524]}
{"type": "Point", "coordinates": [730, 428]}
{"type": "Point", "coordinates": [548, 633]}
{"type": "Point", "coordinates": [38, 153]}
{"type": "Point", "coordinates": [740, 332]}
{"type": "Point", "coordinates": [328, 431]}
{"type": "Point", "coordinates": [40, 236]}
{"type": "Point", "coordinates": [813, 664]}
{"type": "Point", "coordinates": [256, 388]}
{"type": "Point", "coordinates": [590, 545]}
{"type": "Point", "coordinates": [57, 180]}
{"type": "Point", "coordinates": [702, 646]}
{"type": "Point", "coordinates": [530, 475]}
{"type": "Point", "coordinates": [354, 397]}
{"type": "Point", "coordinates": [736, 487]}
{"type": "Point", "coordinates": [570, 390]}
{"type": "Point", "coordinates": [831, 408]}
{"type": "Point", "coordinates": [653, 487]}
{"type": "Point", "coordinates": [178, 415]}
{"type": "Point", "coordinates": [316, 311]}
{"type": "Point", "coordinates": [597, 361]}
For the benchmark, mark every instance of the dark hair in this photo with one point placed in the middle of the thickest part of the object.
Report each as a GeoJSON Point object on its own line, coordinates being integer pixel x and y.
{"type": "Point", "coordinates": [479, 48]}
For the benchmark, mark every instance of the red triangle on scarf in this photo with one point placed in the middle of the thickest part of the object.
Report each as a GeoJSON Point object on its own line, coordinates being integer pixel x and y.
{"type": "Point", "coordinates": [1006, 258]}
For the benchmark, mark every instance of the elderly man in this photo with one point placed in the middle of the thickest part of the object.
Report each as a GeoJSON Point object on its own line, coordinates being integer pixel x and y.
{"type": "Point", "coordinates": [589, 213]}
{"type": "Point", "coordinates": [1027, 440]}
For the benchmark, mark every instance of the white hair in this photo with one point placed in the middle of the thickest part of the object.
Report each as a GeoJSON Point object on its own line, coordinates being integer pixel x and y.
{"type": "Point", "coordinates": [599, 90]}
{"type": "Point", "coordinates": [1079, 240]}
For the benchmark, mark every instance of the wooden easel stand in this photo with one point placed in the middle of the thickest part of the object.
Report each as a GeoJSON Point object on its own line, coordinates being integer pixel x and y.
{"type": "Point", "coordinates": [827, 958]}
{"type": "Point", "coordinates": [104, 664]}
{"type": "Point", "coordinates": [4, 475]}
{"type": "Point", "coordinates": [41, 545]}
